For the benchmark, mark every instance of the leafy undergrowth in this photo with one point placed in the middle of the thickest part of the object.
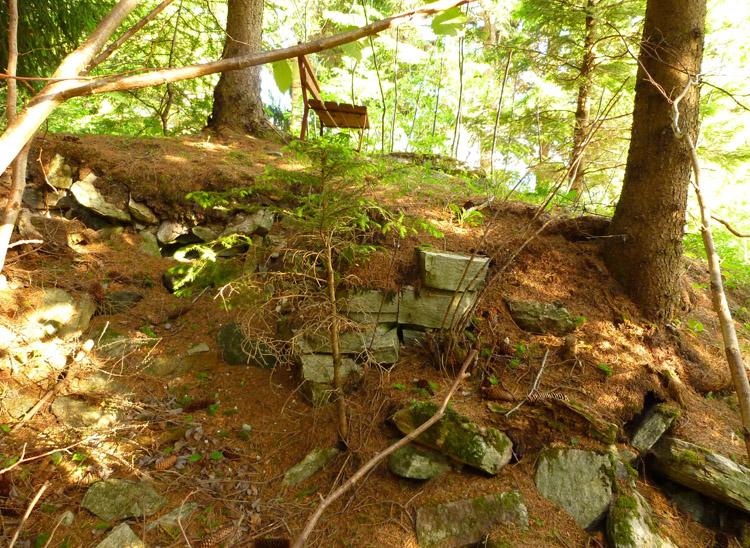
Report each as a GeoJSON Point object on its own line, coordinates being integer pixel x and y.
{"type": "Point", "coordinates": [247, 426]}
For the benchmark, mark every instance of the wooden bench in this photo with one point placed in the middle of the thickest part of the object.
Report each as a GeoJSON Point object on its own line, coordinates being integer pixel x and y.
{"type": "Point", "coordinates": [331, 114]}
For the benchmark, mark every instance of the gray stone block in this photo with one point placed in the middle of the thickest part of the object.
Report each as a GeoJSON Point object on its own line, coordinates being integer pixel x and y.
{"type": "Point", "coordinates": [452, 271]}
{"type": "Point", "coordinates": [467, 522]}
{"type": "Point", "coordinates": [427, 307]}
{"type": "Point", "coordinates": [363, 306]}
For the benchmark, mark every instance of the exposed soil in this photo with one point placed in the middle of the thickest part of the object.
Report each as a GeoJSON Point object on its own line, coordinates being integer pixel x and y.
{"type": "Point", "coordinates": [615, 365]}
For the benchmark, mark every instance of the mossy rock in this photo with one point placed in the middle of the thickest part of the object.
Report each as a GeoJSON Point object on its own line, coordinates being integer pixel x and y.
{"type": "Point", "coordinates": [630, 523]}
{"type": "Point", "coordinates": [457, 437]}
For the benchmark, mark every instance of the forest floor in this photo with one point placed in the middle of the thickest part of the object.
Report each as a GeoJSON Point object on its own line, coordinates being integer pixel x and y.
{"type": "Point", "coordinates": [614, 370]}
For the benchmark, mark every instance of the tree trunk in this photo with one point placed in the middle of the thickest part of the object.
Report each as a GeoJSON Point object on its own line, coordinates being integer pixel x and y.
{"type": "Point", "coordinates": [583, 108]}
{"type": "Point", "coordinates": [237, 105]}
{"type": "Point", "coordinates": [645, 250]}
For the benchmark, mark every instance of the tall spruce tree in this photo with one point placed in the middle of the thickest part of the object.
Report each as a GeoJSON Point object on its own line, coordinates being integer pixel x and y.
{"type": "Point", "coordinates": [645, 249]}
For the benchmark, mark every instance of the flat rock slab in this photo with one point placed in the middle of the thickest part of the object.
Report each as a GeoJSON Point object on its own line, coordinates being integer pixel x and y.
{"type": "Point", "coordinates": [713, 475]}
{"type": "Point", "coordinates": [630, 523]}
{"type": "Point", "coordinates": [120, 301]}
{"type": "Point", "coordinates": [465, 522]}
{"type": "Point", "coordinates": [317, 377]}
{"type": "Point", "coordinates": [118, 499]}
{"type": "Point", "coordinates": [169, 520]}
{"type": "Point", "coordinates": [384, 349]}
{"type": "Point", "coordinates": [652, 426]}
{"type": "Point", "coordinates": [121, 536]}
{"type": "Point", "coordinates": [537, 317]}
{"type": "Point", "coordinates": [578, 481]}
{"type": "Point", "coordinates": [81, 414]}
{"type": "Point", "coordinates": [427, 308]}
{"type": "Point", "coordinates": [369, 305]}
{"type": "Point", "coordinates": [15, 403]}
{"type": "Point", "coordinates": [452, 271]}
{"type": "Point", "coordinates": [413, 462]}
{"type": "Point", "coordinates": [89, 197]}
{"type": "Point", "coordinates": [457, 437]}
{"type": "Point", "coordinates": [307, 467]}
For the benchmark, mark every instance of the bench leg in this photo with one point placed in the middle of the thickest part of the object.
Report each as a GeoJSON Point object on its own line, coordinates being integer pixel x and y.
{"type": "Point", "coordinates": [303, 133]}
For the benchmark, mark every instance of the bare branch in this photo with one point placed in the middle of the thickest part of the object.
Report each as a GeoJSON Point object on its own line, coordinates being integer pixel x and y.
{"type": "Point", "coordinates": [28, 513]}
{"type": "Point", "coordinates": [130, 32]}
{"type": "Point", "coordinates": [729, 227]}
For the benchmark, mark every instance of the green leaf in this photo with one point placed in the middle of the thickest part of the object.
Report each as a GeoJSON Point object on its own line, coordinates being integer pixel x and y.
{"type": "Point", "coordinates": [41, 540]}
{"type": "Point", "coordinates": [353, 50]}
{"type": "Point", "coordinates": [450, 22]}
{"type": "Point", "coordinates": [282, 73]}
{"type": "Point", "coordinates": [398, 386]}
{"type": "Point", "coordinates": [195, 457]}
{"type": "Point", "coordinates": [216, 455]}
{"type": "Point", "coordinates": [56, 457]}
{"type": "Point", "coordinates": [5, 428]}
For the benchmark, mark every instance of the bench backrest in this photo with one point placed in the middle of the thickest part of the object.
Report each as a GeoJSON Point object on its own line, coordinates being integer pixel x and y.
{"type": "Point", "coordinates": [308, 79]}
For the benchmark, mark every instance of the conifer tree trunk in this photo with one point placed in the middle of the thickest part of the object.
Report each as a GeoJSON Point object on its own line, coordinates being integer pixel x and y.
{"type": "Point", "coordinates": [583, 106]}
{"type": "Point", "coordinates": [645, 249]}
{"type": "Point", "coordinates": [237, 105]}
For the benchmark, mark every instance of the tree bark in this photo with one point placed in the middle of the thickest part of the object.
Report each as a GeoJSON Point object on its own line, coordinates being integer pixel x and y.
{"type": "Point", "coordinates": [583, 105]}
{"type": "Point", "coordinates": [645, 249]}
{"type": "Point", "coordinates": [237, 105]}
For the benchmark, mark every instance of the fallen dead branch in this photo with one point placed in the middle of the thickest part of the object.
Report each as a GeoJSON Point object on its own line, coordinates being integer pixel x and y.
{"type": "Point", "coordinates": [719, 298]}
{"type": "Point", "coordinates": [28, 513]}
{"type": "Point", "coordinates": [369, 465]}
{"type": "Point", "coordinates": [534, 387]}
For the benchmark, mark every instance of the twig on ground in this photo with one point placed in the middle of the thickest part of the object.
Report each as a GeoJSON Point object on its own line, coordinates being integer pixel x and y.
{"type": "Point", "coordinates": [179, 520]}
{"type": "Point", "coordinates": [28, 513]}
{"type": "Point", "coordinates": [534, 386]}
{"type": "Point", "coordinates": [359, 474]}
{"type": "Point", "coordinates": [23, 459]}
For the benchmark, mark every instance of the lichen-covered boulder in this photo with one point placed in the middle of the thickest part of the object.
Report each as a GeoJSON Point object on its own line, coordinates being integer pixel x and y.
{"type": "Point", "coordinates": [537, 317]}
{"type": "Point", "coordinates": [457, 437]}
{"type": "Point", "coordinates": [121, 536]}
{"type": "Point", "coordinates": [630, 523]}
{"type": "Point", "coordinates": [708, 473]}
{"type": "Point", "coordinates": [578, 481]}
{"type": "Point", "coordinates": [466, 522]}
{"type": "Point", "coordinates": [413, 462]}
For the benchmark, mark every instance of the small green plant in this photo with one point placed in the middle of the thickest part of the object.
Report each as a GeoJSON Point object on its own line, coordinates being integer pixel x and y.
{"type": "Point", "coordinates": [148, 331]}
{"type": "Point", "coordinates": [195, 457]}
{"type": "Point", "coordinates": [606, 369]}
{"type": "Point", "coordinates": [398, 386]}
{"type": "Point", "coordinates": [695, 327]}
{"type": "Point", "coordinates": [216, 455]}
{"type": "Point", "coordinates": [493, 381]}
{"type": "Point", "coordinates": [465, 217]}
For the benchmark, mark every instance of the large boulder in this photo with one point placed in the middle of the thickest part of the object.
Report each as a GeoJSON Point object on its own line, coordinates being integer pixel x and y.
{"type": "Point", "coordinates": [235, 349]}
{"type": "Point", "coordinates": [452, 271]}
{"type": "Point", "coordinates": [457, 437]}
{"type": "Point", "coordinates": [708, 473]}
{"type": "Point", "coordinates": [630, 523]}
{"type": "Point", "coordinates": [537, 317]}
{"type": "Point", "coordinates": [578, 481]}
{"type": "Point", "coordinates": [467, 522]}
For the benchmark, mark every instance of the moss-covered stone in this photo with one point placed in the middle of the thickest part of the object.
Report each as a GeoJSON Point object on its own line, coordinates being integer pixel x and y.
{"type": "Point", "coordinates": [580, 482]}
{"type": "Point", "coordinates": [465, 522]}
{"type": "Point", "coordinates": [415, 462]}
{"type": "Point", "coordinates": [652, 426]}
{"type": "Point", "coordinates": [457, 437]}
{"type": "Point", "coordinates": [630, 523]}
{"type": "Point", "coordinates": [708, 473]}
